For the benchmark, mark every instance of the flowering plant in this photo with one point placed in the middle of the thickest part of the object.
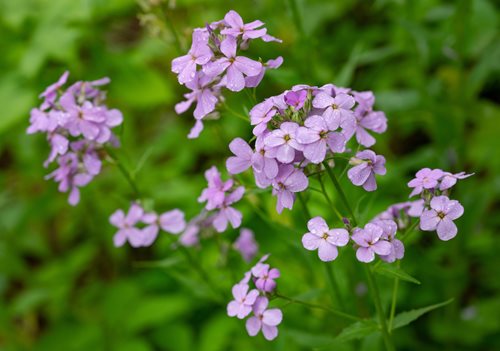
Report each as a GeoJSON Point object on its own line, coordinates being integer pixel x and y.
{"type": "Point", "coordinates": [300, 136]}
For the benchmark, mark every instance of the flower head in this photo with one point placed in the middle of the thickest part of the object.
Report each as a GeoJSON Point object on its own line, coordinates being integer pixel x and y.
{"type": "Point", "coordinates": [370, 242]}
{"type": "Point", "coordinates": [264, 319]}
{"type": "Point", "coordinates": [243, 301]}
{"type": "Point", "coordinates": [368, 164]}
{"type": "Point", "coordinates": [440, 217]}
{"type": "Point", "coordinates": [246, 244]}
{"type": "Point", "coordinates": [324, 239]}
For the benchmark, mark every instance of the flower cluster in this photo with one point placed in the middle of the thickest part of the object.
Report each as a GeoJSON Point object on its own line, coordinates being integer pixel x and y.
{"type": "Point", "coordinates": [140, 228]}
{"type": "Point", "coordinates": [438, 211]}
{"type": "Point", "coordinates": [256, 300]}
{"type": "Point", "coordinates": [78, 125]}
{"type": "Point", "coordinates": [219, 196]}
{"type": "Point", "coordinates": [214, 62]}
{"type": "Point", "coordinates": [300, 128]}
{"type": "Point", "coordinates": [377, 237]}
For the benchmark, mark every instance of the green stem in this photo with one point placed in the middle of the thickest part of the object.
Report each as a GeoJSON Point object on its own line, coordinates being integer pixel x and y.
{"type": "Point", "coordinates": [334, 285]}
{"type": "Point", "coordinates": [304, 205]}
{"type": "Point", "coordinates": [170, 24]}
{"type": "Point", "coordinates": [394, 301]}
{"type": "Point", "coordinates": [325, 194]}
{"type": "Point", "coordinates": [321, 307]}
{"type": "Point", "coordinates": [341, 192]}
{"type": "Point", "coordinates": [380, 310]}
{"type": "Point", "coordinates": [125, 172]}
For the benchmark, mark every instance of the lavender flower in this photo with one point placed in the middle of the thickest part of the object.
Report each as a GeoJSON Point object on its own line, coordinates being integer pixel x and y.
{"type": "Point", "coordinates": [126, 224]}
{"type": "Point", "coordinates": [390, 228]}
{"type": "Point", "coordinates": [264, 319]}
{"type": "Point", "coordinates": [296, 99]}
{"type": "Point", "coordinates": [440, 217]}
{"type": "Point", "coordinates": [282, 143]}
{"type": "Point", "coordinates": [246, 244]}
{"type": "Point", "coordinates": [289, 181]}
{"type": "Point", "coordinates": [338, 109]}
{"type": "Point", "coordinates": [426, 178]}
{"type": "Point", "coordinates": [315, 137]}
{"type": "Point", "coordinates": [265, 276]}
{"type": "Point", "coordinates": [228, 214]}
{"type": "Point", "coordinates": [324, 239]}
{"type": "Point", "coordinates": [370, 242]}
{"type": "Point", "coordinates": [367, 165]}
{"type": "Point", "coordinates": [243, 301]}
{"type": "Point", "coordinates": [236, 27]}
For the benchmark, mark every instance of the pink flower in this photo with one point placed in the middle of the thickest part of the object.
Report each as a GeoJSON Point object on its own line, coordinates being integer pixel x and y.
{"type": "Point", "coordinates": [324, 239]}
{"type": "Point", "coordinates": [246, 244]}
{"type": "Point", "coordinates": [243, 301]}
{"type": "Point", "coordinates": [228, 214]}
{"type": "Point", "coordinates": [289, 181]}
{"type": "Point", "coordinates": [338, 109]}
{"type": "Point", "coordinates": [236, 27]}
{"type": "Point", "coordinates": [426, 178]}
{"type": "Point", "coordinates": [282, 142]}
{"type": "Point", "coordinates": [440, 217]}
{"type": "Point", "coordinates": [264, 319]}
{"type": "Point", "coordinates": [367, 165]}
{"type": "Point", "coordinates": [390, 228]}
{"type": "Point", "coordinates": [265, 276]}
{"type": "Point", "coordinates": [370, 242]}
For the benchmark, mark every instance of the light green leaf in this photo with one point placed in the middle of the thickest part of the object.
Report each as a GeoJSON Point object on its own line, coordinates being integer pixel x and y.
{"type": "Point", "coordinates": [392, 271]}
{"type": "Point", "coordinates": [405, 318]}
{"type": "Point", "coordinates": [358, 330]}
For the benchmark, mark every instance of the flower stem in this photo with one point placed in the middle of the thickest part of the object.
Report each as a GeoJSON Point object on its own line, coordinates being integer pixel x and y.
{"type": "Point", "coordinates": [380, 310]}
{"type": "Point", "coordinates": [394, 301]}
{"type": "Point", "coordinates": [304, 205]}
{"type": "Point", "coordinates": [124, 171]}
{"type": "Point", "coordinates": [325, 308]}
{"type": "Point", "coordinates": [325, 194]}
{"type": "Point", "coordinates": [334, 285]}
{"type": "Point", "coordinates": [341, 192]}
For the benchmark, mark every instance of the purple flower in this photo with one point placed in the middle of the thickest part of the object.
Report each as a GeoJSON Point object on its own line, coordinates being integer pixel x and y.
{"type": "Point", "coordinates": [426, 178]}
{"type": "Point", "coordinates": [126, 226]}
{"type": "Point", "coordinates": [243, 158]}
{"type": "Point", "coordinates": [265, 277]}
{"type": "Point", "coordinates": [228, 214]}
{"type": "Point", "coordinates": [199, 54]}
{"type": "Point", "coordinates": [205, 96]}
{"type": "Point", "coordinates": [246, 244]}
{"type": "Point", "coordinates": [288, 182]}
{"type": "Point", "coordinates": [440, 217]}
{"type": "Point", "coordinates": [236, 67]}
{"type": "Point", "coordinates": [416, 208]}
{"type": "Point", "coordinates": [243, 301]}
{"type": "Point", "coordinates": [367, 165]}
{"type": "Point", "coordinates": [370, 242]}
{"type": "Point", "coordinates": [449, 180]}
{"type": "Point", "coordinates": [338, 109]}
{"type": "Point", "coordinates": [296, 99]}
{"type": "Point", "coordinates": [214, 194]}
{"type": "Point", "coordinates": [315, 137]}
{"type": "Point", "coordinates": [282, 143]}
{"type": "Point", "coordinates": [252, 82]}
{"type": "Point", "coordinates": [50, 93]}
{"type": "Point", "coordinates": [264, 319]}
{"type": "Point", "coordinates": [237, 27]}
{"type": "Point", "coordinates": [324, 239]}
{"type": "Point", "coordinates": [390, 228]}
{"type": "Point", "coordinates": [172, 221]}
{"type": "Point", "coordinates": [369, 120]}
{"type": "Point", "coordinates": [263, 162]}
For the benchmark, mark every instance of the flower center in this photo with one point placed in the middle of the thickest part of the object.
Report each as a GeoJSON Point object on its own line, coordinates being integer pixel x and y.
{"type": "Point", "coordinates": [335, 106]}
{"type": "Point", "coordinates": [325, 236]}
{"type": "Point", "coordinates": [281, 185]}
{"type": "Point", "coordinates": [287, 137]}
{"type": "Point", "coordinates": [323, 134]}
{"type": "Point", "coordinates": [441, 214]}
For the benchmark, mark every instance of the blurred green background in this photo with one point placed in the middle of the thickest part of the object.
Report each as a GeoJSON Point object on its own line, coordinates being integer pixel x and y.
{"type": "Point", "coordinates": [435, 69]}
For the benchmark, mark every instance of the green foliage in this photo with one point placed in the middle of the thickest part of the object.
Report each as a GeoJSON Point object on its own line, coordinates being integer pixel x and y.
{"type": "Point", "coordinates": [434, 66]}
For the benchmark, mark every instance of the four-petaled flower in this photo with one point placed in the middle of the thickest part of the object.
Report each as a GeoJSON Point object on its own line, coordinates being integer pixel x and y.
{"type": "Point", "coordinates": [338, 109]}
{"type": "Point", "coordinates": [440, 217]}
{"type": "Point", "coordinates": [324, 239]}
{"type": "Point", "coordinates": [265, 277]}
{"type": "Point", "coordinates": [370, 242]}
{"type": "Point", "coordinates": [264, 319]}
{"type": "Point", "coordinates": [367, 165]}
{"type": "Point", "coordinates": [243, 301]}
{"type": "Point", "coordinates": [426, 178]}
{"type": "Point", "coordinates": [289, 181]}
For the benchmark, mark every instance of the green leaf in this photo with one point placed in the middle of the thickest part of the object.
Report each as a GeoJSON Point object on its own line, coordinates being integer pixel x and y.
{"type": "Point", "coordinates": [392, 271]}
{"type": "Point", "coordinates": [405, 318]}
{"type": "Point", "coordinates": [358, 330]}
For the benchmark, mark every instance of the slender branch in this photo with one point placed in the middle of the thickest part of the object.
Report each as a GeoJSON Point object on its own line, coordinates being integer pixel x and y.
{"type": "Point", "coordinates": [321, 307]}
{"type": "Point", "coordinates": [334, 285]}
{"type": "Point", "coordinates": [394, 300]}
{"type": "Point", "coordinates": [380, 310]}
{"type": "Point", "coordinates": [124, 171]}
{"type": "Point", "coordinates": [325, 194]}
{"type": "Point", "coordinates": [304, 205]}
{"type": "Point", "coordinates": [341, 192]}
